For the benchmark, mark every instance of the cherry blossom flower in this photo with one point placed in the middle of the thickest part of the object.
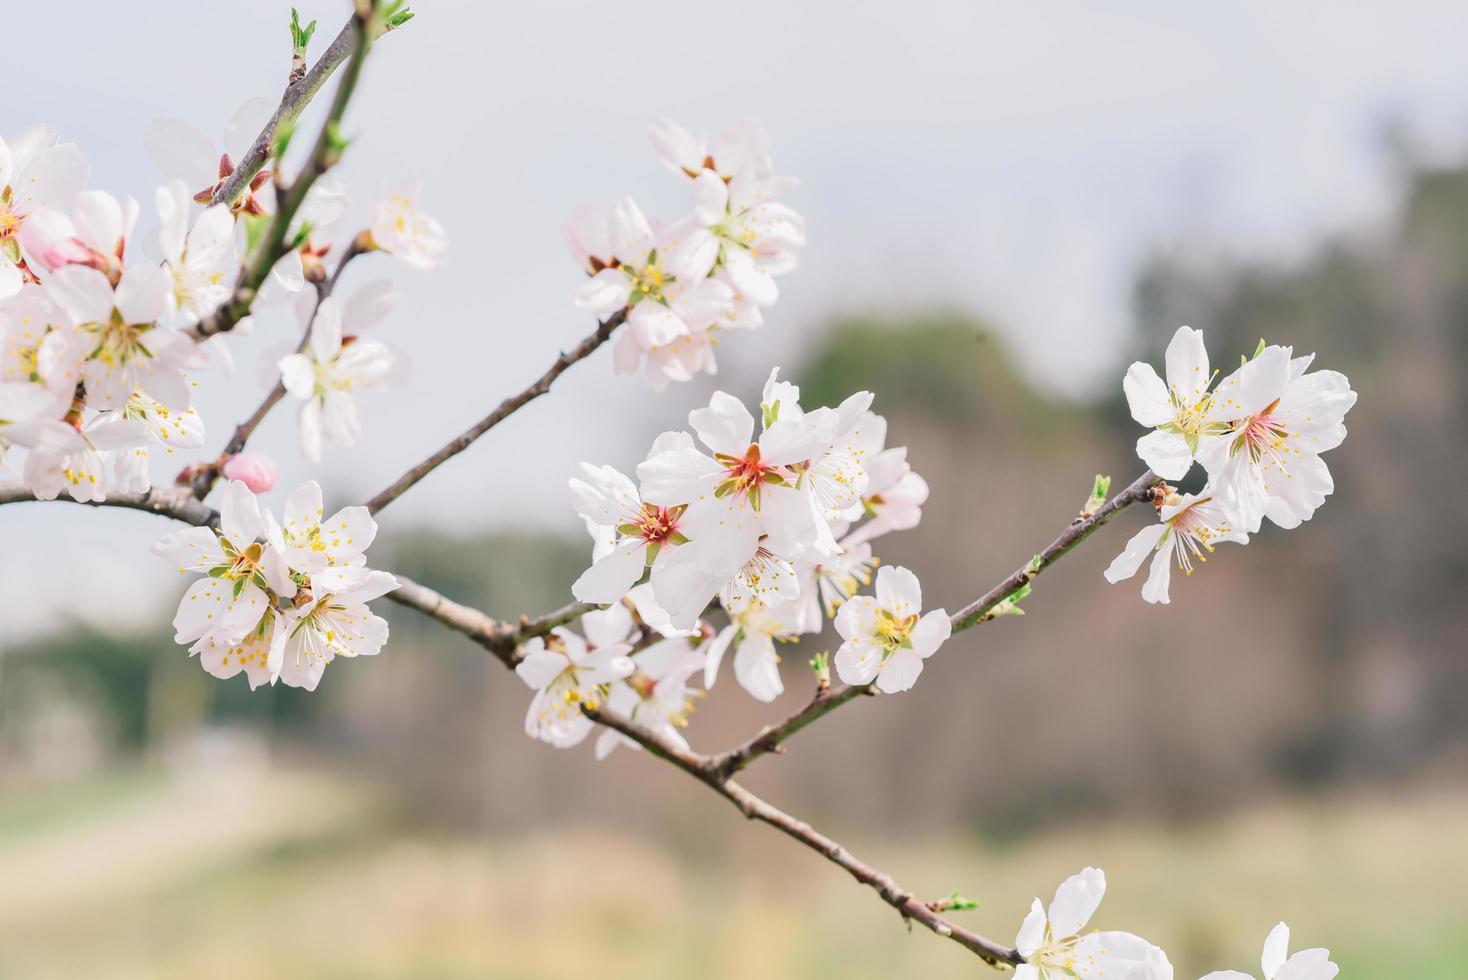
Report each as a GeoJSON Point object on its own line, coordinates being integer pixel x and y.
{"type": "Point", "coordinates": [825, 585]}
{"type": "Point", "coordinates": [656, 695]}
{"type": "Point", "coordinates": [36, 172]}
{"type": "Point", "coordinates": [566, 674]}
{"type": "Point", "coordinates": [25, 420]}
{"type": "Point", "coordinates": [242, 574]}
{"type": "Point", "coordinates": [94, 233]}
{"type": "Point", "coordinates": [200, 259]}
{"type": "Point", "coordinates": [400, 229]}
{"type": "Point", "coordinates": [606, 498]}
{"type": "Point", "coordinates": [1277, 964]}
{"type": "Point", "coordinates": [1281, 418]}
{"type": "Point", "coordinates": [40, 347]}
{"type": "Point", "coordinates": [160, 426]}
{"type": "Point", "coordinates": [1189, 527]}
{"type": "Point", "coordinates": [255, 470]}
{"type": "Point", "coordinates": [335, 365]}
{"type": "Point", "coordinates": [335, 623]}
{"type": "Point", "coordinates": [81, 467]}
{"type": "Point", "coordinates": [665, 299]}
{"type": "Point", "coordinates": [1180, 412]}
{"type": "Point", "coordinates": [887, 637]}
{"type": "Point", "coordinates": [1054, 948]}
{"type": "Point", "coordinates": [753, 630]}
{"type": "Point", "coordinates": [747, 489]}
{"type": "Point", "coordinates": [310, 544]}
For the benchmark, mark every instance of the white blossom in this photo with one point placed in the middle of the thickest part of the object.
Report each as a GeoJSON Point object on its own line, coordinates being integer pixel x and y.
{"type": "Point", "coordinates": [1277, 964]}
{"type": "Point", "coordinates": [567, 674]}
{"type": "Point", "coordinates": [401, 229]}
{"type": "Point", "coordinates": [887, 637]}
{"type": "Point", "coordinates": [1189, 527]}
{"type": "Point", "coordinates": [1054, 948]}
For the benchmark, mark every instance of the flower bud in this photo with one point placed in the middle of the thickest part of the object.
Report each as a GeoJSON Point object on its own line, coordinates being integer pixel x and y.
{"type": "Point", "coordinates": [254, 470]}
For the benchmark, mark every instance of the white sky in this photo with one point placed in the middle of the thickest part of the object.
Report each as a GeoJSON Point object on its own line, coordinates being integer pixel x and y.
{"type": "Point", "coordinates": [1014, 160]}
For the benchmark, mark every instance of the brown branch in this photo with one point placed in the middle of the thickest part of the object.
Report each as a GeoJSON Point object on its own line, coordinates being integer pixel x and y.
{"type": "Point", "coordinates": [506, 408]}
{"type": "Point", "coordinates": [324, 155]}
{"type": "Point", "coordinates": [706, 771]}
{"type": "Point", "coordinates": [297, 96]}
{"type": "Point", "coordinates": [978, 611]}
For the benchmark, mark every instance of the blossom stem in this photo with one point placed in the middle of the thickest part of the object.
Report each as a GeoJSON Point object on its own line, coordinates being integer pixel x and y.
{"type": "Point", "coordinates": [974, 613]}
{"type": "Point", "coordinates": [506, 408]}
{"type": "Point", "coordinates": [324, 155]}
{"type": "Point", "coordinates": [753, 807]}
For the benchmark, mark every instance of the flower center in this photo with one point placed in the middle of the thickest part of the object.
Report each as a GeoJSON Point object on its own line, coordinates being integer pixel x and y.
{"type": "Point", "coordinates": [1196, 534]}
{"type": "Point", "coordinates": [894, 632]}
{"type": "Point", "coordinates": [649, 281]}
{"type": "Point", "coordinates": [747, 474]}
{"type": "Point", "coordinates": [1261, 436]}
{"type": "Point", "coordinates": [118, 342]}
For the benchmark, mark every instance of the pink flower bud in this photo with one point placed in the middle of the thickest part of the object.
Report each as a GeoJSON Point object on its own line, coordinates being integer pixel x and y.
{"type": "Point", "coordinates": [254, 470]}
{"type": "Point", "coordinates": [68, 251]}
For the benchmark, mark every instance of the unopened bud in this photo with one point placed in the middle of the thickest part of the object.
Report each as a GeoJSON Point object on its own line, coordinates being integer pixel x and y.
{"type": "Point", "coordinates": [254, 470]}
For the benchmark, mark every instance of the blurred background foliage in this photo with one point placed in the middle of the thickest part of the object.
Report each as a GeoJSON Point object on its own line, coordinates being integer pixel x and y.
{"type": "Point", "coordinates": [1288, 738]}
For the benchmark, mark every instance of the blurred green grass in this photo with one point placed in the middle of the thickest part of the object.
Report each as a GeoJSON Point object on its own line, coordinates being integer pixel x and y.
{"type": "Point", "coordinates": [286, 874]}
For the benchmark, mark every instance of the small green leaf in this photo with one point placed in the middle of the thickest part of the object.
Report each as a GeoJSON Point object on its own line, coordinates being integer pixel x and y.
{"type": "Point", "coordinates": [1260, 349]}
{"type": "Point", "coordinates": [1099, 490]}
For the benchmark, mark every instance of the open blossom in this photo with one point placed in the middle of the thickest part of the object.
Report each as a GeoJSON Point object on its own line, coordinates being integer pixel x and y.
{"type": "Point", "coordinates": [566, 673]}
{"type": "Point", "coordinates": [887, 637]}
{"type": "Point", "coordinates": [36, 172]}
{"type": "Point", "coordinates": [665, 299]}
{"type": "Point", "coordinates": [25, 421]}
{"type": "Point", "coordinates": [1277, 964]}
{"type": "Point", "coordinates": [656, 695]}
{"type": "Point", "coordinates": [752, 631]}
{"type": "Point", "coordinates": [335, 623]}
{"type": "Point", "coordinates": [201, 259]}
{"type": "Point", "coordinates": [400, 229]}
{"type": "Point", "coordinates": [336, 364]}
{"type": "Point", "coordinates": [823, 586]}
{"type": "Point", "coordinates": [80, 466]}
{"type": "Point", "coordinates": [642, 533]}
{"type": "Point", "coordinates": [1189, 527]}
{"type": "Point", "coordinates": [1180, 412]}
{"type": "Point", "coordinates": [241, 573]}
{"type": "Point", "coordinates": [1054, 948]}
{"type": "Point", "coordinates": [1281, 418]}
{"type": "Point", "coordinates": [747, 490]}
{"type": "Point", "coordinates": [312, 544]}
{"type": "Point", "coordinates": [161, 426]}
{"type": "Point", "coordinates": [735, 214]}
{"type": "Point", "coordinates": [40, 348]}
{"type": "Point", "coordinates": [278, 605]}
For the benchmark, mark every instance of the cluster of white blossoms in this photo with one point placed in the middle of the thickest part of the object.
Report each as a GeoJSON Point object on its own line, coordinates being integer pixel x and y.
{"type": "Point", "coordinates": [279, 600]}
{"type": "Point", "coordinates": [712, 270]}
{"type": "Point", "coordinates": [776, 525]}
{"type": "Point", "coordinates": [96, 354]}
{"type": "Point", "coordinates": [1056, 946]}
{"type": "Point", "coordinates": [1259, 435]}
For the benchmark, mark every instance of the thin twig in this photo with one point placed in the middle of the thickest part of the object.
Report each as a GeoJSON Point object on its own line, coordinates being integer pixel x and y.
{"type": "Point", "coordinates": [970, 615]}
{"type": "Point", "coordinates": [324, 155]}
{"type": "Point", "coordinates": [506, 408]}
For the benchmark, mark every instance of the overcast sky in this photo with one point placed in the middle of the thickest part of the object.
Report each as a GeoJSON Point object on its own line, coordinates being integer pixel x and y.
{"type": "Point", "coordinates": [1013, 160]}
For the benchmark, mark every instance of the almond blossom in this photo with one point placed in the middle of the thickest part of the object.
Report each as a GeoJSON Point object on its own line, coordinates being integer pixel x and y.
{"type": "Point", "coordinates": [753, 631]}
{"type": "Point", "coordinates": [667, 294]}
{"type": "Point", "coordinates": [1180, 411]}
{"type": "Point", "coordinates": [1281, 418]}
{"type": "Point", "coordinates": [200, 258]}
{"type": "Point", "coordinates": [1277, 964]}
{"type": "Point", "coordinates": [1054, 948]}
{"type": "Point", "coordinates": [334, 623]}
{"type": "Point", "coordinates": [749, 489]}
{"type": "Point", "coordinates": [311, 544]}
{"type": "Point", "coordinates": [160, 426]}
{"type": "Point", "coordinates": [36, 172]}
{"type": "Point", "coordinates": [567, 673]}
{"type": "Point", "coordinates": [401, 229]}
{"type": "Point", "coordinates": [40, 348]}
{"type": "Point", "coordinates": [656, 695]}
{"type": "Point", "coordinates": [81, 466]}
{"type": "Point", "coordinates": [241, 573]}
{"type": "Point", "coordinates": [640, 532]}
{"type": "Point", "coordinates": [887, 637]}
{"type": "Point", "coordinates": [1189, 527]}
{"type": "Point", "coordinates": [335, 365]}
